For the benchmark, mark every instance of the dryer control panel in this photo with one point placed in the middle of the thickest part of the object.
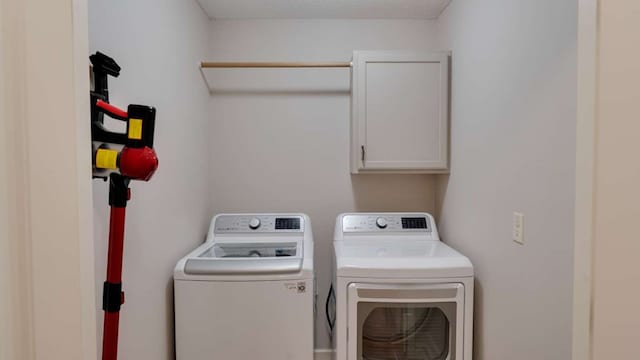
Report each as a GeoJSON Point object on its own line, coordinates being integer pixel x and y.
{"type": "Point", "coordinates": [386, 223]}
{"type": "Point", "coordinates": [259, 223]}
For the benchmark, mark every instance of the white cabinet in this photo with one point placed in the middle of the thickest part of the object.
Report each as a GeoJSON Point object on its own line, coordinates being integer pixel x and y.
{"type": "Point", "coordinates": [400, 112]}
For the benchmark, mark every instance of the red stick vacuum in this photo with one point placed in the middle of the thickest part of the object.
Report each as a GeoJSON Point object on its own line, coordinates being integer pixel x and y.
{"type": "Point", "coordinates": [136, 160]}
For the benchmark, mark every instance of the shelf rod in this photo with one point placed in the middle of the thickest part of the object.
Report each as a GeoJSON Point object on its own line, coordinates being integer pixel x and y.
{"type": "Point", "coordinates": [207, 65]}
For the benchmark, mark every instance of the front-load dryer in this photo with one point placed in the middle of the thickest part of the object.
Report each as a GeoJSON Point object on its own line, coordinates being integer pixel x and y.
{"type": "Point", "coordinates": [248, 291]}
{"type": "Point", "coordinates": [400, 292]}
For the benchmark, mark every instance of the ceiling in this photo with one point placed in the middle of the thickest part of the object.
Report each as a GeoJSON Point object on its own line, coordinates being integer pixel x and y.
{"type": "Point", "coordinates": [323, 9]}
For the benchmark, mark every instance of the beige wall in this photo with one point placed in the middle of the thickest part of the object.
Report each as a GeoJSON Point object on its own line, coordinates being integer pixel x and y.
{"type": "Point", "coordinates": [513, 116]}
{"type": "Point", "coordinates": [616, 292]}
{"type": "Point", "coordinates": [279, 139]}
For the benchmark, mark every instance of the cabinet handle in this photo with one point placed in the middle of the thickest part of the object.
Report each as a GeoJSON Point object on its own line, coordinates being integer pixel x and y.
{"type": "Point", "coordinates": [362, 153]}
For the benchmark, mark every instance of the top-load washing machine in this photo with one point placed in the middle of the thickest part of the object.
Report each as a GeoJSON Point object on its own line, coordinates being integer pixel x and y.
{"type": "Point", "coordinates": [248, 292]}
{"type": "Point", "coordinates": [400, 292]}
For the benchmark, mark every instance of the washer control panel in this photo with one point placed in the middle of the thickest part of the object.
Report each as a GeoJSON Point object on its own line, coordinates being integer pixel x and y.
{"type": "Point", "coordinates": [259, 224]}
{"type": "Point", "coordinates": [386, 223]}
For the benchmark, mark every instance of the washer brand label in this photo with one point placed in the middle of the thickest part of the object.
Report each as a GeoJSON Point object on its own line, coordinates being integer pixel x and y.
{"type": "Point", "coordinates": [299, 287]}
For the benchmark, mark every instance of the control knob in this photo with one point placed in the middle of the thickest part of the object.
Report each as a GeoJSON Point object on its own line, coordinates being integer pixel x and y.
{"type": "Point", "coordinates": [254, 223]}
{"type": "Point", "coordinates": [381, 222]}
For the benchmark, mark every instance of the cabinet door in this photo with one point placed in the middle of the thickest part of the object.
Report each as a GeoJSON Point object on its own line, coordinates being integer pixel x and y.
{"type": "Point", "coordinates": [400, 111]}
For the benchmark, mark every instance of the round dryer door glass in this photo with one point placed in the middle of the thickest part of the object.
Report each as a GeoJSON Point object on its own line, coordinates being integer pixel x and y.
{"type": "Point", "coordinates": [390, 331]}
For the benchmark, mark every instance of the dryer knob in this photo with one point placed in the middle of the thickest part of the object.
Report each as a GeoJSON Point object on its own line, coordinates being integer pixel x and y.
{"type": "Point", "coordinates": [254, 223]}
{"type": "Point", "coordinates": [381, 222]}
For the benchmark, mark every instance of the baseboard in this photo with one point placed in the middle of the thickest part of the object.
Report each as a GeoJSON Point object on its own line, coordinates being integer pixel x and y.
{"type": "Point", "coordinates": [323, 354]}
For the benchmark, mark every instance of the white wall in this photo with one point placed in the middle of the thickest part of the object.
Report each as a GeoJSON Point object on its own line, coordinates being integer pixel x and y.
{"type": "Point", "coordinates": [616, 274]}
{"type": "Point", "coordinates": [279, 139]}
{"type": "Point", "coordinates": [158, 44]}
{"type": "Point", "coordinates": [513, 149]}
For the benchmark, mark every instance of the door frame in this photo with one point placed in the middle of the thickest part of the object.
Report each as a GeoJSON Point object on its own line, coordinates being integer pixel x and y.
{"type": "Point", "coordinates": [45, 169]}
{"type": "Point", "coordinates": [585, 176]}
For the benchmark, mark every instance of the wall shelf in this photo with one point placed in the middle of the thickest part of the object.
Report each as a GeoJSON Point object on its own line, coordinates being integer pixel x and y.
{"type": "Point", "coordinates": [255, 65]}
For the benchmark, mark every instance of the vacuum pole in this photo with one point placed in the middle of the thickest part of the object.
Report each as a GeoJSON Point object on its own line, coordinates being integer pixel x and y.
{"type": "Point", "coordinates": [113, 297]}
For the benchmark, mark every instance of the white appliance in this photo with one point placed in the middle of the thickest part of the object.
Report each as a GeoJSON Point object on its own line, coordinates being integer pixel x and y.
{"type": "Point", "coordinates": [400, 292]}
{"type": "Point", "coordinates": [248, 291]}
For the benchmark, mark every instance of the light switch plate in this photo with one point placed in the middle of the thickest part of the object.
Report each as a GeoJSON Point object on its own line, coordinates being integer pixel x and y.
{"type": "Point", "coordinates": [518, 228]}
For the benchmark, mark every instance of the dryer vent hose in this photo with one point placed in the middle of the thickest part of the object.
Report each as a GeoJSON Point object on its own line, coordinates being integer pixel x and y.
{"type": "Point", "coordinates": [330, 321]}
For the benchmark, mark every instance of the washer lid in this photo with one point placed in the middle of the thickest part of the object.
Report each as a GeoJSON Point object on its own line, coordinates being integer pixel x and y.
{"type": "Point", "coordinates": [246, 258]}
{"type": "Point", "coordinates": [391, 258]}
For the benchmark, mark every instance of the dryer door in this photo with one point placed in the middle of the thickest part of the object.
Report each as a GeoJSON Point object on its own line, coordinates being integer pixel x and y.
{"type": "Point", "coordinates": [405, 321]}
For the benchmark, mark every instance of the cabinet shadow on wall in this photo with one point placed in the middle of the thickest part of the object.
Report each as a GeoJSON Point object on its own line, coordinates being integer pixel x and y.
{"type": "Point", "coordinates": [279, 92]}
{"type": "Point", "coordinates": [394, 192]}
{"type": "Point", "coordinates": [277, 82]}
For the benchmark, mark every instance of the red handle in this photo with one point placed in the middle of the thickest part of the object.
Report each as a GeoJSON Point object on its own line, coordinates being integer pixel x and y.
{"type": "Point", "coordinates": [113, 111]}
